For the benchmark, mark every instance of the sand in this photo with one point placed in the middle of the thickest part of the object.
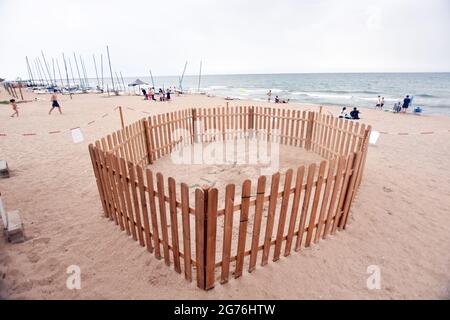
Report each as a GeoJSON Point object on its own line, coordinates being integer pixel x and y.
{"type": "Point", "coordinates": [399, 221]}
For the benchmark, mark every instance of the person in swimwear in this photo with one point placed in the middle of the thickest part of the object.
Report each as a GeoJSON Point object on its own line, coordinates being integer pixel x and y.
{"type": "Point", "coordinates": [55, 104]}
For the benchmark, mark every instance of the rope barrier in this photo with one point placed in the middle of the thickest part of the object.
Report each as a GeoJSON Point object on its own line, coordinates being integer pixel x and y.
{"type": "Point", "coordinates": [412, 133]}
{"type": "Point", "coordinates": [146, 112]}
{"type": "Point", "coordinates": [57, 131]}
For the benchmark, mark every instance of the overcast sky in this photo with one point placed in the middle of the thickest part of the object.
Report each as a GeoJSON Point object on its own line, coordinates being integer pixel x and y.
{"type": "Point", "coordinates": [230, 36]}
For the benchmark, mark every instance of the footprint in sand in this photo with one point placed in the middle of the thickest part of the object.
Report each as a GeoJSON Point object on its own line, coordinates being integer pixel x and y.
{"type": "Point", "coordinates": [41, 240]}
{"type": "Point", "coordinates": [33, 257]}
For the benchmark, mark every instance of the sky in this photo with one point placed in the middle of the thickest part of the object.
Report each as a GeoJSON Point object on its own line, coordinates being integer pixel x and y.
{"type": "Point", "coordinates": [229, 36]}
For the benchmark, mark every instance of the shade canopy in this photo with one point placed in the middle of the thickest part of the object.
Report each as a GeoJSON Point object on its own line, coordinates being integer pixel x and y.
{"type": "Point", "coordinates": [137, 82]}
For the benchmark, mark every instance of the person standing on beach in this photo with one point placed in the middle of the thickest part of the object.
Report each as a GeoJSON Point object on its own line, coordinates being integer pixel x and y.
{"type": "Point", "coordinates": [144, 93]}
{"type": "Point", "coordinates": [269, 95]}
{"type": "Point", "coordinates": [406, 103]}
{"type": "Point", "coordinates": [382, 103]}
{"type": "Point", "coordinates": [152, 93]}
{"type": "Point", "coordinates": [14, 107]}
{"type": "Point", "coordinates": [378, 105]}
{"type": "Point", "coordinates": [55, 104]}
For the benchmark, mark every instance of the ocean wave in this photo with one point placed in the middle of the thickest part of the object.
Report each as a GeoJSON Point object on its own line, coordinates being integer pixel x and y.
{"type": "Point", "coordinates": [217, 87]}
{"type": "Point", "coordinates": [348, 92]}
{"type": "Point", "coordinates": [318, 95]}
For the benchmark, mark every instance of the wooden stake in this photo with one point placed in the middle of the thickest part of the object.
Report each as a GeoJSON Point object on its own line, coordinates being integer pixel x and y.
{"type": "Point", "coordinates": [227, 232]}
{"type": "Point", "coordinates": [200, 218]}
{"type": "Point", "coordinates": [121, 117]}
{"type": "Point", "coordinates": [243, 221]}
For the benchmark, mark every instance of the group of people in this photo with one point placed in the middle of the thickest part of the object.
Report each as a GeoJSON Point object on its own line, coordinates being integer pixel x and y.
{"type": "Point", "coordinates": [53, 99]}
{"type": "Point", "coordinates": [353, 115]}
{"type": "Point", "coordinates": [398, 106]}
{"type": "Point", "coordinates": [277, 99]}
{"type": "Point", "coordinates": [164, 95]}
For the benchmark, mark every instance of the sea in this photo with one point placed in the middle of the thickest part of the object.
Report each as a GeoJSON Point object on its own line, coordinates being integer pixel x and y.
{"type": "Point", "coordinates": [430, 91]}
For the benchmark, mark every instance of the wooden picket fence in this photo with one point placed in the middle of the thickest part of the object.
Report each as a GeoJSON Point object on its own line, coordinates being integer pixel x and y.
{"type": "Point", "coordinates": [196, 234]}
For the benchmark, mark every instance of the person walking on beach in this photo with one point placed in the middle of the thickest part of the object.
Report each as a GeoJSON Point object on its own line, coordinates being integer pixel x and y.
{"type": "Point", "coordinates": [382, 103]}
{"type": "Point", "coordinates": [269, 95]}
{"type": "Point", "coordinates": [55, 104]}
{"type": "Point", "coordinates": [406, 103]}
{"type": "Point", "coordinates": [13, 104]}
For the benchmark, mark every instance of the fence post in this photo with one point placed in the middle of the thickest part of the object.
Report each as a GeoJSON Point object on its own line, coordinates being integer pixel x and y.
{"type": "Point", "coordinates": [210, 236]}
{"type": "Point", "coordinates": [194, 127]}
{"type": "Point", "coordinates": [251, 121]}
{"type": "Point", "coordinates": [365, 147]}
{"type": "Point", "coordinates": [98, 178]}
{"type": "Point", "coordinates": [201, 203]}
{"type": "Point", "coordinates": [147, 140]}
{"type": "Point", "coordinates": [351, 190]}
{"type": "Point", "coordinates": [309, 130]}
{"type": "Point", "coordinates": [121, 117]}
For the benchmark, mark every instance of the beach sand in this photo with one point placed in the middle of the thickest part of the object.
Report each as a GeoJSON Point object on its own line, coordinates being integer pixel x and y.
{"type": "Point", "coordinates": [400, 219]}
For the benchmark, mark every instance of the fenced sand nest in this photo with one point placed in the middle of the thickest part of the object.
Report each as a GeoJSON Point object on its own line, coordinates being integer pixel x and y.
{"type": "Point", "coordinates": [205, 221]}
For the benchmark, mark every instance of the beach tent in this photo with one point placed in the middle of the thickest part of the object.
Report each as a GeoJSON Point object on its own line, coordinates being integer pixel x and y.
{"type": "Point", "coordinates": [137, 82]}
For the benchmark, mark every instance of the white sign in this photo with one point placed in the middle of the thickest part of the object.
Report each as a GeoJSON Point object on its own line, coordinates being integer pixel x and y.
{"type": "Point", "coordinates": [77, 135]}
{"type": "Point", "coordinates": [374, 135]}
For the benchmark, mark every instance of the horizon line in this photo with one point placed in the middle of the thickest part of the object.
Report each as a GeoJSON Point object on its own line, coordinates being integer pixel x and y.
{"type": "Point", "coordinates": [287, 73]}
{"type": "Point", "coordinates": [277, 73]}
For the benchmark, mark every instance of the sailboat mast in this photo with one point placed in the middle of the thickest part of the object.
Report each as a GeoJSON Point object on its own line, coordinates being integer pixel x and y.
{"type": "Point", "coordinates": [101, 67]}
{"type": "Point", "coordinates": [38, 73]}
{"type": "Point", "coordinates": [43, 72]}
{"type": "Point", "coordinates": [151, 76]}
{"type": "Point", "coordinates": [199, 76]}
{"type": "Point", "coordinates": [83, 68]}
{"type": "Point", "coordinates": [182, 77]}
{"type": "Point", "coordinates": [110, 69]}
{"type": "Point", "coordinates": [123, 83]}
{"type": "Point", "coordinates": [47, 68]}
{"type": "Point", "coordinates": [78, 71]}
{"type": "Point", "coordinates": [54, 71]}
{"type": "Point", "coordinates": [71, 72]}
{"type": "Point", "coordinates": [96, 72]}
{"type": "Point", "coordinates": [67, 76]}
{"type": "Point", "coordinates": [118, 81]}
{"type": "Point", "coordinates": [59, 72]}
{"type": "Point", "coordinates": [29, 71]}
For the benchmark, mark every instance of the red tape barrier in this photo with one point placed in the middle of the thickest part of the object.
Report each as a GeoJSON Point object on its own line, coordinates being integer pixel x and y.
{"type": "Point", "coordinates": [129, 108]}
